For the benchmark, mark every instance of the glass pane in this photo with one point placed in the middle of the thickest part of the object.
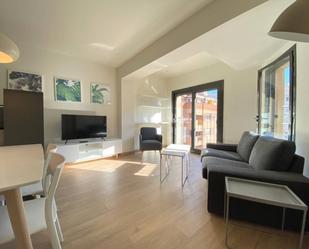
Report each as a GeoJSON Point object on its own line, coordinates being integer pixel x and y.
{"type": "Point", "coordinates": [183, 119]}
{"type": "Point", "coordinates": [275, 97]}
{"type": "Point", "coordinates": [206, 109]}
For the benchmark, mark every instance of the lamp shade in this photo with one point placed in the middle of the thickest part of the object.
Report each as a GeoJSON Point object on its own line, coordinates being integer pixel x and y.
{"type": "Point", "coordinates": [293, 23]}
{"type": "Point", "coordinates": [9, 52]}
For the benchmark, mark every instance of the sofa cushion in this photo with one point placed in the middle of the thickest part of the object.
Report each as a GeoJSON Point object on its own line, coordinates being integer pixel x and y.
{"type": "Point", "coordinates": [221, 154]}
{"type": "Point", "coordinates": [272, 154]}
{"type": "Point", "coordinates": [245, 145]}
{"type": "Point", "coordinates": [215, 161]}
{"type": "Point", "coordinates": [297, 164]}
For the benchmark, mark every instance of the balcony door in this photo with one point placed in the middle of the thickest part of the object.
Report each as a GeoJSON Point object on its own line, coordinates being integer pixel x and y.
{"type": "Point", "coordinates": [198, 115]}
{"type": "Point", "coordinates": [183, 118]}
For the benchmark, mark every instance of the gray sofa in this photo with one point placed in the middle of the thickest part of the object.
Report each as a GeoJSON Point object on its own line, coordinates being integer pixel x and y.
{"type": "Point", "coordinates": [257, 158]}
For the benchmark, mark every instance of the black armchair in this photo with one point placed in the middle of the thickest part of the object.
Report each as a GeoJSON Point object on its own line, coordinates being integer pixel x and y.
{"type": "Point", "coordinates": [149, 139]}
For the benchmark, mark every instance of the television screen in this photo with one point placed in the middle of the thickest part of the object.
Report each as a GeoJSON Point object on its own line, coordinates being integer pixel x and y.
{"type": "Point", "coordinates": [83, 126]}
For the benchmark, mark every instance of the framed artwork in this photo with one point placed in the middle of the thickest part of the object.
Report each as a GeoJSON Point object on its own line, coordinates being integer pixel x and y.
{"type": "Point", "coordinates": [67, 90]}
{"type": "Point", "coordinates": [24, 81]}
{"type": "Point", "coordinates": [100, 93]}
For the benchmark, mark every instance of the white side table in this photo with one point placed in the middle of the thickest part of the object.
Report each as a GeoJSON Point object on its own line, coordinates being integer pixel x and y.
{"type": "Point", "coordinates": [262, 192]}
{"type": "Point", "coordinates": [176, 150]}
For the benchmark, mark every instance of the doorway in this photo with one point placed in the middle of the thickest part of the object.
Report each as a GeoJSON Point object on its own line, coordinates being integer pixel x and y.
{"type": "Point", "coordinates": [198, 115]}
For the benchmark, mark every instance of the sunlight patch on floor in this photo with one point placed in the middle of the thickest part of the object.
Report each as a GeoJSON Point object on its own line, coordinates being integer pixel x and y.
{"type": "Point", "coordinates": [111, 166]}
{"type": "Point", "coordinates": [147, 170]}
{"type": "Point", "coordinates": [100, 165]}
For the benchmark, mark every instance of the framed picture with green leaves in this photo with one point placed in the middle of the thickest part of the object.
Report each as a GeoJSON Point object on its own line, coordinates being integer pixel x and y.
{"type": "Point", "coordinates": [67, 90]}
{"type": "Point", "coordinates": [100, 93]}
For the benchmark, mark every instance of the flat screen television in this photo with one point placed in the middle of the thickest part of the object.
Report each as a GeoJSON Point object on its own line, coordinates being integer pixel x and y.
{"type": "Point", "coordinates": [83, 126]}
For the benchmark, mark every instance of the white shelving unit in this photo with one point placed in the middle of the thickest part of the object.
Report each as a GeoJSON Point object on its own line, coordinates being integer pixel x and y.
{"type": "Point", "coordinates": [152, 110]}
{"type": "Point", "coordinates": [91, 150]}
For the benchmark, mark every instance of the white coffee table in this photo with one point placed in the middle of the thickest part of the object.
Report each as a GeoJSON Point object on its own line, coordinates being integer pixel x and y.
{"type": "Point", "coordinates": [176, 150]}
{"type": "Point", "coordinates": [262, 192]}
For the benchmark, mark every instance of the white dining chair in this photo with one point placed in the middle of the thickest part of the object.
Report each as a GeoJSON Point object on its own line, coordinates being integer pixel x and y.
{"type": "Point", "coordinates": [41, 213]}
{"type": "Point", "coordinates": [37, 188]}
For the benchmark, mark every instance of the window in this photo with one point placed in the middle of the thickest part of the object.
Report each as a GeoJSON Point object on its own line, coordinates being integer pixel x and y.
{"type": "Point", "coordinates": [276, 97]}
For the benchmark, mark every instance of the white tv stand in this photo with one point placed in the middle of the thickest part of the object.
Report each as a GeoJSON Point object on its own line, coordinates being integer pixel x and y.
{"type": "Point", "coordinates": [76, 151]}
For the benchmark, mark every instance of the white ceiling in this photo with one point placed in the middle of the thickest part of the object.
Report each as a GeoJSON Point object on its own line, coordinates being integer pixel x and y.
{"type": "Point", "coordinates": [240, 43]}
{"type": "Point", "coordinates": [105, 31]}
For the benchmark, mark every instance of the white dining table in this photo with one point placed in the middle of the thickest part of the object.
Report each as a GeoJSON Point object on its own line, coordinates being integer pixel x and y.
{"type": "Point", "coordinates": [20, 165]}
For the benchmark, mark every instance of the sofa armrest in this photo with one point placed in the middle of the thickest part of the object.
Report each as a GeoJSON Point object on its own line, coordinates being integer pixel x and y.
{"type": "Point", "coordinates": [226, 147]}
{"type": "Point", "coordinates": [159, 138]}
{"type": "Point", "coordinates": [216, 183]}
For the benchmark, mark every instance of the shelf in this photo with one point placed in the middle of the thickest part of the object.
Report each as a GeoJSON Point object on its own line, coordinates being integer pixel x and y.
{"type": "Point", "coordinates": [149, 123]}
{"type": "Point", "coordinates": [153, 96]}
{"type": "Point", "coordinates": [155, 107]}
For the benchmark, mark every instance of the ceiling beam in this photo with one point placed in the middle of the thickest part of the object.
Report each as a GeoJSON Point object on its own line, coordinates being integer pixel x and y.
{"type": "Point", "coordinates": [206, 19]}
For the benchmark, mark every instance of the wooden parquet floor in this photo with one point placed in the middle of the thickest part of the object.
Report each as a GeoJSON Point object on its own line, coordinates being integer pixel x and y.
{"type": "Point", "coordinates": [120, 204]}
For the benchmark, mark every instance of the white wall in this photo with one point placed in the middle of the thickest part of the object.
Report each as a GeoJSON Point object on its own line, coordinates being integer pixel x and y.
{"type": "Point", "coordinates": [240, 96]}
{"type": "Point", "coordinates": [128, 96]}
{"type": "Point", "coordinates": [53, 64]}
{"type": "Point", "coordinates": [302, 104]}
{"type": "Point", "coordinates": [133, 91]}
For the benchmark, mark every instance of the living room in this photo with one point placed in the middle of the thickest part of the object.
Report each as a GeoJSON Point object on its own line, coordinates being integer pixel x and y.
{"type": "Point", "coordinates": [183, 73]}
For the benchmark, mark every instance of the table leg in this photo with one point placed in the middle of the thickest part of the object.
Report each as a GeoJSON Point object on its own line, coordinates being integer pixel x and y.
{"type": "Point", "coordinates": [224, 207]}
{"type": "Point", "coordinates": [302, 230]}
{"type": "Point", "coordinates": [166, 162]}
{"type": "Point", "coordinates": [160, 167]}
{"type": "Point", "coordinates": [18, 218]}
{"type": "Point", "coordinates": [283, 219]}
{"type": "Point", "coordinates": [188, 164]}
{"type": "Point", "coordinates": [227, 206]}
{"type": "Point", "coordinates": [182, 183]}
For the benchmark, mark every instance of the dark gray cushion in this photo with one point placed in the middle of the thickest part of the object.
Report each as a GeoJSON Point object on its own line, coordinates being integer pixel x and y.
{"type": "Point", "coordinates": [297, 164]}
{"type": "Point", "coordinates": [221, 154]}
{"type": "Point", "coordinates": [214, 161]}
{"type": "Point", "coordinates": [151, 145]}
{"type": "Point", "coordinates": [272, 154]}
{"type": "Point", "coordinates": [245, 145]}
